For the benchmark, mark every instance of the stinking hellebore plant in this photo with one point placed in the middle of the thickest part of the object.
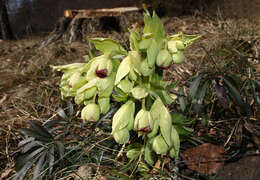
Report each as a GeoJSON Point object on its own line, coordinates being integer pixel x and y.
{"type": "Point", "coordinates": [136, 81]}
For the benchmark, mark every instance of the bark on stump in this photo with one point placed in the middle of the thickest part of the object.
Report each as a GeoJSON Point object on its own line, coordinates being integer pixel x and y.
{"type": "Point", "coordinates": [78, 24]}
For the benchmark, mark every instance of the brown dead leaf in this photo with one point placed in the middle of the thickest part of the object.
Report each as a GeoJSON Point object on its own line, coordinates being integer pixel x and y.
{"type": "Point", "coordinates": [206, 158]}
{"type": "Point", "coordinates": [85, 171]}
{"type": "Point", "coordinates": [156, 166]}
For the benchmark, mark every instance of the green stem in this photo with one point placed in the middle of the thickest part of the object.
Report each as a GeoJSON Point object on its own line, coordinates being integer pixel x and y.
{"type": "Point", "coordinates": [143, 104]}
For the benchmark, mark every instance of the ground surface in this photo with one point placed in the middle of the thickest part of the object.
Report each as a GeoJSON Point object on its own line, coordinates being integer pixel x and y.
{"type": "Point", "coordinates": [29, 88]}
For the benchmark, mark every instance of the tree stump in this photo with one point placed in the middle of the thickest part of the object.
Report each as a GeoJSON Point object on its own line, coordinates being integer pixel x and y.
{"type": "Point", "coordinates": [78, 24]}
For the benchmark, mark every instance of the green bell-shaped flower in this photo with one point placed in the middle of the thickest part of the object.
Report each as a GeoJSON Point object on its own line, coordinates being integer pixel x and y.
{"type": "Point", "coordinates": [104, 104]}
{"type": "Point", "coordinates": [130, 65]}
{"type": "Point", "coordinates": [101, 67]}
{"type": "Point", "coordinates": [180, 45]}
{"type": "Point", "coordinates": [143, 121]}
{"type": "Point", "coordinates": [124, 117]}
{"type": "Point", "coordinates": [139, 92]}
{"type": "Point", "coordinates": [122, 136]}
{"type": "Point", "coordinates": [77, 80]}
{"type": "Point", "coordinates": [159, 145]}
{"type": "Point", "coordinates": [178, 57]}
{"type": "Point", "coordinates": [174, 151]}
{"type": "Point", "coordinates": [172, 46]}
{"type": "Point", "coordinates": [164, 59]}
{"type": "Point", "coordinates": [90, 112]}
{"type": "Point", "coordinates": [123, 122]}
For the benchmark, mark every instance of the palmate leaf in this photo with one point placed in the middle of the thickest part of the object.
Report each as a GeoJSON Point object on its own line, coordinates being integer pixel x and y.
{"type": "Point", "coordinates": [134, 38]}
{"type": "Point", "coordinates": [62, 114]}
{"type": "Point", "coordinates": [40, 129]}
{"type": "Point", "coordinates": [25, 141]}
{"type": "Point", "coordinates": [194, 86]}
{"type": "Point", "coordinates": [256, 98]}
{"type": "Point", "coordinates": [20, 174]}
{"type": "Point", "coordinates": [200, 94]}
{"type": "Point", "coordinates": [53, 123]}
{"type": "Point", "coordinates": [234, 93]}
{"type": "Point", "coordinates": [39, 166]}
{"type": "Point", "coordinates": [108, 46]}
{"type": "Point", "coordinates": [30, 145]}
{"type": "Point", "coordinates": [186, 39]}
{"type": "Point", "coordinates": [182, 99]}
{"type": "Point", "coordinates": [51, 159]}
{"type": "Point", "coordinates": [152, 52]}
{"type": "Point", "coordinates": [29, 156]}
{"type": "Point", "coordinates": [153, 25]}
{"type": "Point", "coordinates": [61, 148]}
{"type": "Point", "coordinates": [149, 155]}
{"type": "Point", "coordinates": [34, 134]}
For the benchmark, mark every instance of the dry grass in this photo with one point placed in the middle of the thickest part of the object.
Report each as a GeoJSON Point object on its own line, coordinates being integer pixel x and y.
{"type": "Point", "coordinates": [29, 89]}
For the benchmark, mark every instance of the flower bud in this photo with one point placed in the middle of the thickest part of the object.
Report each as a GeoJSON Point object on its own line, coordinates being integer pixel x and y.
{"type": "Point", "coordinates": [163, 59]}
{"type": "Point", "coordinates": [159, 145]}
{"type": "Point", "coordinates": [90, 112]}
{"type": "Point", "coordinates": [139, 92]}
{"type": "Point", "coordinates": [180, 45]}
{"type": "Point", "coordinates": [178, 57]}
{"type": "Point", "coordinates": [172, 46]}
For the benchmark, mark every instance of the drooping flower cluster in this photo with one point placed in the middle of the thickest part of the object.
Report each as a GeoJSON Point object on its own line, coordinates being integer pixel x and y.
{"type": "Point", "coordinates": [136, 81]}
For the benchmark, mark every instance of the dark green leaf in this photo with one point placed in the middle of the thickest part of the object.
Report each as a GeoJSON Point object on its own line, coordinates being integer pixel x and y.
{"type": "Point", "coordinates": [234, 93]}
{"type": "Point", "coordinates": [182, 99]}
{"type": "Point", "coordinates": [178, 118]}
{"type": "Point", "coordinates": [70, 108]}
{"type": "Point", "coordinates": [34, 134]}
{"type": "Point", "coordinates": [194, 87]}
{"type": "Point", "coordinates": [60, 148]}
{"type": "Point", "coordinates": [24, 158]}
{"type": "Point", "coordinates": [172, 85]}
{"type": "Point", "coordinates": [39, 166]}
{"type": "Point", "coordinates": [25, 141]}
{"type": "Point", "coordinates": [20, 174]}
{"type": "Point", "coordinates": [53, 123]}
{"type": "Point", "coordinates": [51, 159]}
{"type": "Point", "coordinates": [62, 114]}
{"type": "Point", "coordinates": [202, 91]}
{"type": "Point", "coordinates": [40, 129]}
{"type": "Point", "coordinates": [30, 145]}
{"type": "Point", "coordinates": [256, 97]}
